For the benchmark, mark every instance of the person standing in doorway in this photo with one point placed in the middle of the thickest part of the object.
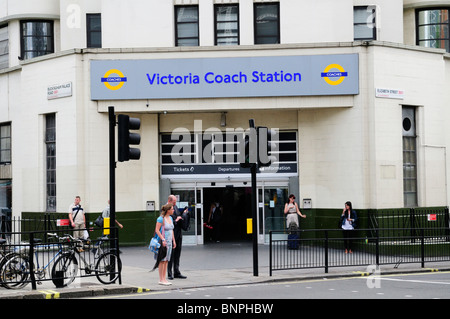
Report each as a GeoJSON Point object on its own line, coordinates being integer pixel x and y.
{"type": "Point", "coordinates": [173, 269]}
{"type": "Point", "coordinates": [77, 218]}
{"type": "Point", "coordinates": [214, 219]}
{"type": "Point", "coordinates": [348, 224]}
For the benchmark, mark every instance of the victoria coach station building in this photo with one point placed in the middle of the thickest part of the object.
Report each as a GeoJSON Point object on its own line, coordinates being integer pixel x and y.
{"type": "Point", "coordinates": [360, 121]}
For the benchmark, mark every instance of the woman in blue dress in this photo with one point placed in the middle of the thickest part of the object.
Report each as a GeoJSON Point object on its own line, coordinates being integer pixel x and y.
{"type": "Point", "coordinates": [164, 229]}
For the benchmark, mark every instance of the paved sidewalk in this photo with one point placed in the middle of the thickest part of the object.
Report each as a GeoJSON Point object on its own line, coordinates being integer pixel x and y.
{"type": "Point", "coordinates": [218, 264]}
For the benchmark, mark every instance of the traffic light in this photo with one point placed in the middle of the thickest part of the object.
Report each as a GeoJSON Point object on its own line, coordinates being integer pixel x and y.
{"type": "Point", "coordinates": [126, 138]}
{"type": "Point", "coordinates": [250, 147]}
{"type": "Point", "coordinates": [267, 146]}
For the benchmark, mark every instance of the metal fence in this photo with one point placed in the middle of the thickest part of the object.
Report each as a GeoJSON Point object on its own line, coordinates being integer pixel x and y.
{"type": "Point", "coordinates": [408, 221]}
{"type": "Point", "coordinates": [37, 251]}
{"type": "Point", "coordinates": [325, 248]}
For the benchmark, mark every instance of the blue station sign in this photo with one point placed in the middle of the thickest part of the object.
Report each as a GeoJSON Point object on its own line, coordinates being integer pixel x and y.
{"type": "Point", "coordinates": [225, 77]}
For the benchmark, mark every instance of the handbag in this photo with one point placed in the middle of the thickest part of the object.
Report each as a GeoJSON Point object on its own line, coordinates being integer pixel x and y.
{"type": "Point", "coordinates": [156, 242]}
{"type": "Point", "coordinates": [99, 221]}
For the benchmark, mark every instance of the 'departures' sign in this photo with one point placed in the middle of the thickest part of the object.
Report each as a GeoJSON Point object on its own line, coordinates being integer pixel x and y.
{"type": "Point", "coordinates": [225, 77]}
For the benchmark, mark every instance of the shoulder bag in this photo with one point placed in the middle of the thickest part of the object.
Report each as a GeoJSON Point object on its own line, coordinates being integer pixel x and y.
{"type": "Point", "coordinates": [75, 216]}
{"type": "Point", "coordinates": [156, 242]}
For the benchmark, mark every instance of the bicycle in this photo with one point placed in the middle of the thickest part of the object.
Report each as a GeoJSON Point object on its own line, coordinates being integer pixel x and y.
{"type": "Point", "coordinates": [107, 267]}
{"type": "Point", "coordinates": [15, 272]}
{"type": "Point", "coordinates": [5, 257]}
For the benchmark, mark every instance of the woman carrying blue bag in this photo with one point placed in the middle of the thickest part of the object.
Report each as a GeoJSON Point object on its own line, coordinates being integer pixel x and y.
{"type": "Point", "coordinates": [164, 230]}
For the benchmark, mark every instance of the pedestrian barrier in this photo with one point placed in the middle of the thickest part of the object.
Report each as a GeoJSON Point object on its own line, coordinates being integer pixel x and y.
{"type": "Point", "coordinates": [324, 248]}
{"type": "Point", "coordinates": [38, 256]}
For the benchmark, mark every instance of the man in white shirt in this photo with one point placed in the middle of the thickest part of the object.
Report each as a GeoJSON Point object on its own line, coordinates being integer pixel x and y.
{"type": "Point", "coordinates": [77, 218]}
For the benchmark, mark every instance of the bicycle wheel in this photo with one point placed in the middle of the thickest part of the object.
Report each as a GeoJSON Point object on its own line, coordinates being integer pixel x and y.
{"type": "Point", "coordinates": [108, 268]}
{"type": "Point", "coordinates": [3, 262]}
{"type": "Point", "coordinates": [64, 270]}
{"type": "Point", "coordinates": [15, 272]}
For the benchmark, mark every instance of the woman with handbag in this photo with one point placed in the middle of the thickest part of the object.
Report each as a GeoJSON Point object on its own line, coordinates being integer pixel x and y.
{"type": "Point", "coordinates": [164, 230]}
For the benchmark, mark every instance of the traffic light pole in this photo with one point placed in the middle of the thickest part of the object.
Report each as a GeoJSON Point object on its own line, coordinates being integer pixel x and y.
{"type": "Point", "coordinates": [253, 169]}
{"type": "Point", "coordinates": [112, 167]}
{"type": "Point", "coordinates": [112, 183]}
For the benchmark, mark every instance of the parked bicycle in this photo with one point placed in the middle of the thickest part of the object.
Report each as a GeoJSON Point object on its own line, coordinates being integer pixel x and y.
{"type": "Point", "coordinates": [15, 272]}
{"type": "Point", "coordinates": [106, 266]}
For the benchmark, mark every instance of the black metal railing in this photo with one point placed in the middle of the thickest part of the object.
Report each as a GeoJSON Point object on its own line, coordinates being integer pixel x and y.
{"type": "Point", "coordinates": [34, 257]}
{"type": "Point", "coordinates": [325, 248]}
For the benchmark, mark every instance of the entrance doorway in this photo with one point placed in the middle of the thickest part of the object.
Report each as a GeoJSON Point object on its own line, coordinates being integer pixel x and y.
{"type": "Point", "coordinates": [234, 205]}
{"type": "Point", "coordinates": [235, 202]}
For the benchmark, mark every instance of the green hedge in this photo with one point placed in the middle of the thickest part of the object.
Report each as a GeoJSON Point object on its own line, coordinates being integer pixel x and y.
{"type": "Point", "coordinates": [138, 226]}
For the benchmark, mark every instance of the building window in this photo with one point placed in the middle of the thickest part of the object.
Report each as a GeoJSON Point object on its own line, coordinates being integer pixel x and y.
{"type": "Point", "coordinates": [218, 152]}
{"type": "Point", "coordinates": [94, 30]}
{"type": "Point", "coordinates": [364, 26]}
{"type": "Point", "coordinates": [50, 145]}
{"type": "Point", "coordinates": [4, 47]}
{"type": "Point", "coordinates": [5, 144]}
{"type": "Point", "coordinates": [36, 38]}
{"type": "Point", "coordinates": [186, 26]}
{"type": "Point", "coordinates": [433, 28]}
{"type": "Point", "coordinates": [227, 24]}
{"type": "Point", "coordinates": [5, 202]}
{"type": "Point", "coordinates": [267, 23]}
{"type": "Point", "coordinates": [409, 157]}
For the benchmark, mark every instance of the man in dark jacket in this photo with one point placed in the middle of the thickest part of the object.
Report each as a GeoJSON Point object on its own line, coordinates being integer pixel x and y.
{"type": "Point", "coordinates": [174, 262]}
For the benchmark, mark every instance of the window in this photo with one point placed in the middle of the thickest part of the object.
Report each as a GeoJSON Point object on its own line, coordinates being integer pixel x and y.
{"type": "Point", "coordinates": [227, 24]}
{"type": "Point", "coordinates": [186, 26]}
{"type": "Point", "coordinates": [364, 27]}
{"type": "Point", "coordinates": [5, 144]}
{"type": "Point", "coordinates": [50, 145]}
{"type": "Point", "coordinates": [433, 28]}
{"type": "Point", "coordinates": [94, 30]}
{"type": "Point", "coordinates": [4, 47]}
{"type": "Point", "coordinates": [409, 157]}
{"type": "Point", "coordinates": [5, 203]}
{"type": "Point", "coordinates": [216, 152]}
{"type": "Point", "coordinates": [267, 23]}
{"type": "Point", "coordinates": [36, 38]}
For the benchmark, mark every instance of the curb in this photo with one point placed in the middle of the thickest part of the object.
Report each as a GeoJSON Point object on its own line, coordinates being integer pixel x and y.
{"type": "Point", "coordinates": [73, 293]}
